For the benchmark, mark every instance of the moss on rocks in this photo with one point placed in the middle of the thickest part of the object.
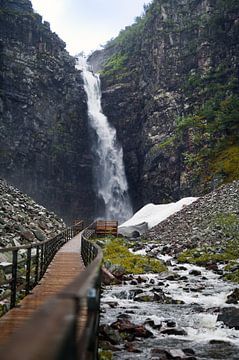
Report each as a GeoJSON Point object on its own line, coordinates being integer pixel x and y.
{"type": "Point", "coordinates": [116, 252]}
{"type": "Point", "coordinates": [204, 255]}
{"type": "Point", "coordinates": [105, 354]}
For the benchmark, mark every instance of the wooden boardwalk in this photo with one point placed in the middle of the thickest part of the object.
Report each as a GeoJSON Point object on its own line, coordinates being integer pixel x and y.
{"type": "Point", "coordinates": [66, 264]}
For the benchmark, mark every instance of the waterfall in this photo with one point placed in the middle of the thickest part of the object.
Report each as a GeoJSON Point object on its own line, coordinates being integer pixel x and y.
{"type": "Point", "coordinates": [110, 179]}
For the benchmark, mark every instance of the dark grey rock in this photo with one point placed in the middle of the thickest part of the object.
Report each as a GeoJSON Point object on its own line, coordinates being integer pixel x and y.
{"type": "Point", "coordinates": [230, 317]}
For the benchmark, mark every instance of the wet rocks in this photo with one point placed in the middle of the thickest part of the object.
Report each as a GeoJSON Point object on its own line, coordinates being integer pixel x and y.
{"type": "Point", "coordinates": [195, 272]}
{"type": "Point", "coordinates": [167, 327]}
{"type": "Point", "coordinates": [173, 331]}
{"type": "Point", "coordinates": [152, 324]}
{"type": "Point", "coordinates": [106, 333]}
{"type": "Point", "coordinates": [233, 298]}
{"type": "Point", "coordinates": [230, 317]}
{"type": "Point", "coordinates": [123, 330]}
{"type": "Point", "coordinates": [117, 271]}
{"type": "Point", "coordinates": [107, 277]}
{"type": "Point", "coordinates": [144, 297]}
{"type": "Point", "coordinates": [124, 325]}
{"type": "Point", "coordinates": [177, 354]}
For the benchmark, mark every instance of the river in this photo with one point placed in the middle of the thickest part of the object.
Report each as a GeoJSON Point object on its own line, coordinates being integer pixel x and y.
{"type": "Point", "coordinates": [195, 298]}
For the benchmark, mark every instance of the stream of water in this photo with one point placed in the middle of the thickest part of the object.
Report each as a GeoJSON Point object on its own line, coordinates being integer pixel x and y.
{"type": "Point", "coordinates": [110, 179]}
{"type": "Point", "coordinates": [197, 301]}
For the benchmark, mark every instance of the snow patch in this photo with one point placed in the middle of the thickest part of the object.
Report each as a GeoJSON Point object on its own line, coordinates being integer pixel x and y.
{"type": "Point", "coordinates": [153, 214]}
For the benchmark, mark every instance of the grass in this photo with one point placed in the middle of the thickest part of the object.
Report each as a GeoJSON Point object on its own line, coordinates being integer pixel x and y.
{"type": "Point", "coordinates": [227, 164]}
{"type": "Point", "coordinates": [116, 252]}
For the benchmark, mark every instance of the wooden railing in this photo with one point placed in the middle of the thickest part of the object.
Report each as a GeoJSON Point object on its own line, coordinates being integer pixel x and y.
{"type": "Point", "coordinates": [66, 326]}
{"type": "Point", "coordinates": [26, 272]}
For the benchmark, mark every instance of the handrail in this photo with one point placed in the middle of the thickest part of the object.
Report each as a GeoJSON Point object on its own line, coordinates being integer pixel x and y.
{"type": "Point", "coordinates": [34, 265]}
{"type": "Point", "coordinates": [66, 326]}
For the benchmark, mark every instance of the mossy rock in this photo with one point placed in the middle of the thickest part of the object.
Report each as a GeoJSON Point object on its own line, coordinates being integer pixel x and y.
{"type": "Point", "coordinates": [116, 252]}
{"type": "Point", "coordinates": [105, 354]}
{"type": "Point", "coordinates": [203, 256]}
{"type": "Point", "coordinates": [2, 276]}
{"type": "Point", "coordinates": [232, 276]}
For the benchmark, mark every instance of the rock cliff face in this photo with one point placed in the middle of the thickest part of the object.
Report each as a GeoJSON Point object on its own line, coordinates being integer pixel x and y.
{"type": "Point", "coordinates": [44, 143]}
{"type": "Point", "coordinates": [170, 85]}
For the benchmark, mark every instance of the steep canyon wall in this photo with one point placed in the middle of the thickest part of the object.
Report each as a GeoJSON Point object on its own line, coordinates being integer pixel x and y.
{"type": "Point", "coordinates": [170, 87]}
{"type": "Point", "coordinates": [44, 141]}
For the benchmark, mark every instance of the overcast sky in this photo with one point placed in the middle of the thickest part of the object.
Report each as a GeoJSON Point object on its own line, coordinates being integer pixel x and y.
{"type": "Point", "coordinates": [86, 24]}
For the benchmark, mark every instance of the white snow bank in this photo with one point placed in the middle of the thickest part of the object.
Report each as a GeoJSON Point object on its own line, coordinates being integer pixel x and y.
{"type": "Point", "coordinates": [153, 214]}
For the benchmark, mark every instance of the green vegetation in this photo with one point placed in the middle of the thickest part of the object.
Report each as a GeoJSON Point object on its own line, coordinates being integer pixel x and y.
{"type": "Point", "coordinates": [116, 66]}
{"type": "Point", "coordinates": [105, 354]}
{"type": "Point", "coordinates": [233, 276]}
{"type": "Point", "coordinates": [202, 256]}
{"type": "Point", "coordinates": [167, 142]}
{"type": "Point", "coordinates": [212, 139]}
{"type": "Point", "coordinates": [229, 225]}
{"type": "Point", "coordinates": [116, 252]}
{"type": "Point", "coordinates": [208, 135]}
{"type": "Point", "coordinates": [2, 276]}
{"type": "Point", "coordinates": [126, 46]}
{"type": "Point", "coordinates": [126, 38]}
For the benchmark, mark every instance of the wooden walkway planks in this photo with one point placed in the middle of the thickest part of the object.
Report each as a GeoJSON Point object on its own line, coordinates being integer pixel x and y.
{"type": "Point", "coordinates": [66, 264]}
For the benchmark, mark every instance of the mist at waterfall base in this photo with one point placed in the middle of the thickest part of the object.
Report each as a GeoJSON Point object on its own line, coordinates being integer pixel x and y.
{"type": "Point", "coordinates": [113, 202]}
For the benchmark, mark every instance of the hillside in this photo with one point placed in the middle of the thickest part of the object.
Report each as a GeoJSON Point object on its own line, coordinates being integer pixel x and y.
{"type": "Point", "coordinates": [23, 221]}
{"type": "Point", "coordinates": [212, 220]}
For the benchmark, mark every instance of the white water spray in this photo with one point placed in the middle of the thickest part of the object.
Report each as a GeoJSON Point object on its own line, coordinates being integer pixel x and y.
{"type": "Point", "coordinates": [111, 183]}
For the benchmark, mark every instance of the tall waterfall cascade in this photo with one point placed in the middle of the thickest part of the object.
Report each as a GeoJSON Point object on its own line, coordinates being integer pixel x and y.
{"type": "Point", "coordinates": [110, 179]}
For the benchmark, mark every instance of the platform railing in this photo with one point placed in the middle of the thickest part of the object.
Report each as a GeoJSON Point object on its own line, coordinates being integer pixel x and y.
{"type": "Point", "coordinates": [26, 270]}
{"type": "Point", "coordinates": [66, 326]}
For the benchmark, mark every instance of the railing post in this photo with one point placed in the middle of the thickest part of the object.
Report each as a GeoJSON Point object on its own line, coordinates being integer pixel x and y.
{"type": "Point", "coordinates": [14, 279]}
{"type": "Point", "coordinates": [42, 261]}
{"type": "Point", "coordinates": [37, 265]}
{"type": "Point", "coordinates": [93, 312]}
{"type": "Point", "coordinates": [28, 270]}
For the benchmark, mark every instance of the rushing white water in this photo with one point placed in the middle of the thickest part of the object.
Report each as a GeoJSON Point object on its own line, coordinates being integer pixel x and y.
{"type": "Point", "coordinates": [110, 178]}
{"type": "Point", "coordinates": [202, 295]}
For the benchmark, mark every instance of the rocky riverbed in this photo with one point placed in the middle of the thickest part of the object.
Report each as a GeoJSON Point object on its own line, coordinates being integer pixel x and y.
{"type": "Point", "coordinates": [189, 311]}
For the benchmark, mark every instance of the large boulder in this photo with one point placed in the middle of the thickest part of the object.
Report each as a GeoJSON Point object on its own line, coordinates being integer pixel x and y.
{"type": "Point", "coordinates": [230, 317]}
